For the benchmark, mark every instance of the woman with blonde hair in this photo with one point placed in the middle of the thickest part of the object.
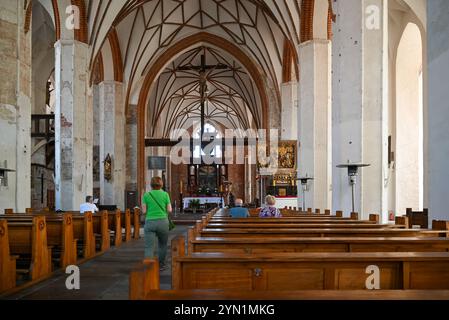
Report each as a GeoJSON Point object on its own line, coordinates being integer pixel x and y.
{"type": "Point", "coordinates": [157, 205]}
{"type": "Point", "coordinates": [270, 210]}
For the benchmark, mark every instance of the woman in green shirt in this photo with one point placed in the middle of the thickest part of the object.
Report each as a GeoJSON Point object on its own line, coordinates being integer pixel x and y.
{"type": "Point", "coordinates": [157, 206]}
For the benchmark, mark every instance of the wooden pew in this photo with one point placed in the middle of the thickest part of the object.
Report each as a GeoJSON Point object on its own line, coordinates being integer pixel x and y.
{"type": "Point", "coordinates": [440, 225]}
{"type": "Point", "coordinates": [144, 284]}
{"type": "Point", "coordinates": [59, 234]}
{"type": "Point", "coordinates": [254, 212]}
{"type": "Point", "coordinates": [125, 219]}
{"type": "Point", "coordinates": [29, 239]}
{"type": "Point", "coordinates": [136, 223]}
{"type": "Point", "coordinates": [307, 271]}
{"type": "Point", "coordinates": [143, 278]}
{"type": "Point", "coordinates": [9, 211]}
{"type": "Point", "coordinates": [7, 261]}
{"type": "Point", "coordinates": [331, 232]}
{"type": "Point", "coordinates": [115, 226]}
{"type": "Point", "coordinates": [327, 295]}
{"type": "Point", "coordinates": [101, 228]}
{"type": "Point", "coordinates": [420, 218]}
{"type": "Point", "coordinates": [375, 218]}
{"type": "Point", "coordinates": [289, 220]}
{"type": "Point", "coordinates": [336, 244]}
{"type": "Point", "coordinates": [83, 231]}
{"type": "Point", "coordinates": [280, 225]}
{"type": "Point", "coordinates": [64, 233]}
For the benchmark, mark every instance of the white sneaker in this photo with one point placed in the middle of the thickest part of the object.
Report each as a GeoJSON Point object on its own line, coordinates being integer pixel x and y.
{"type": "Point", "coordinates": [163, 267]}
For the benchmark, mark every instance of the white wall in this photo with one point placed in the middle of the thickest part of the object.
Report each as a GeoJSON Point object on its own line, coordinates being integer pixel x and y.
{"type": "Point", "coordinates": [409, 110]}
{"type": "Point", "coordinates": [438, 115]}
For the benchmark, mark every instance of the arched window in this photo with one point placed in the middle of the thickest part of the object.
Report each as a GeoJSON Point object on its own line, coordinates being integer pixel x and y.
{"type": "Point", "coordinates": [209, 130]}
{"type": "Point", "coordinates": [409, 159]}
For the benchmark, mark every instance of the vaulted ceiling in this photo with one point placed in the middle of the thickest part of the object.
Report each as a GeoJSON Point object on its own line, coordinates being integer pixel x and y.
{"type": "Point", "coordinates": [232, 99]}
{"type": "Point", "coordinates": [146, 29]}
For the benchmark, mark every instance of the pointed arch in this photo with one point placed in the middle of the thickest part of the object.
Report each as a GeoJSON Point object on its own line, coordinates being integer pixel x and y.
{"type": "Point", "coordinates": [97, 74]}
{"type": "Point", "coordinates": [330, 19]}
{"type": "Point", "coordinates": [307, 8]}
{"type": "Point", "coordinates": [162, 61]}
{"type": "Point", "coordinates": [289, 59]}
{"type": "Point", "coordinates": [54, 3]}
{"type": "Point", "coordinates": [116, 55]}
{"type": "Point", "coordinates": [28, 12]}
{"type": "Point", "coordinates": [316, 20]}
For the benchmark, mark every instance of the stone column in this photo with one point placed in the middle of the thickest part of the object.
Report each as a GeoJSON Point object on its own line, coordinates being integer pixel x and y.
{"type": "Point", "coordinates": [248, 182]}
{"type": "Point", "coordinates": [314, 133]}
{"type": "Point", "coordinates": [360, 80]}
{"type": "Point", "coordinates": [73, 125]}
{"type": "Point", "coordinates": [289, 114]}
{"type": "Point", "coordinates": [15, 106]}
{"type": "Point", "coordinates": [347, 106]}
{"type": "Point", "coordinates": [375, 113]}
{"type": "Point", "coordinates": [112, 142]}
{"type": "Point", "coordinates": [437, 185]}
{"type": "Point", "coordinates": [96, 138]}
{"type": "Point", "coordinates": [131, 150]}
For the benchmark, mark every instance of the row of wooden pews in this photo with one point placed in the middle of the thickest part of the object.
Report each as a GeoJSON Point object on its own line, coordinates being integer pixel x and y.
{"type": "Point", "coordinates": [34, 244]}
{"type": "Point", "coordinates": [330, 256]}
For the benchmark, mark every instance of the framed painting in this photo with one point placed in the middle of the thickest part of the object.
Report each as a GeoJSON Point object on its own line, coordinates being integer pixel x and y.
{"type": "Point", "coordinates": [287, 154]}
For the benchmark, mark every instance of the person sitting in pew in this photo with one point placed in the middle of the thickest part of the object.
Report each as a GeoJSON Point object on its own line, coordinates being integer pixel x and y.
{"type": "Point", "coordinates": [270, 210]}
{"type": "Point", "coordinates": [89, 205]}
{"type": "Point", "coordinates": [238, 211]}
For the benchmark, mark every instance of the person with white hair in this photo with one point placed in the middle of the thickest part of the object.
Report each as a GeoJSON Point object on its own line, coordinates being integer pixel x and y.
{"type": "Point", "coordinates": [88, 206]}
{"type": "Point", "coordinates": [270, 211]}
{"type": "Point", "coordinates": [238, 211]}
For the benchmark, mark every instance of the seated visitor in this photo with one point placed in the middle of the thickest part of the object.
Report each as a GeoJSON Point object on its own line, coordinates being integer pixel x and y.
{"type": "Point", "coordinates": [238, 211]}
{"type": "Point", "coordinates": [88, 206]}
{"type": "Point", "coordinates": [270, 210]}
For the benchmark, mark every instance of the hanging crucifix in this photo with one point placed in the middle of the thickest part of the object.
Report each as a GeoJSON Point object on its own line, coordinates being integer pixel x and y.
{"type": "Point", "coordinates": [202, 69]}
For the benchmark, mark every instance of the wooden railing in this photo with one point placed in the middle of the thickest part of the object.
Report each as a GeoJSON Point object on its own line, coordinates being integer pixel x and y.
{"type": "Point", "coordinates": [43, 126]}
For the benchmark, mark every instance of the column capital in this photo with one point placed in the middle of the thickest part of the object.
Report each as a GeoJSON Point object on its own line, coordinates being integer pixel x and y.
{"type": "Point", "coordinates": [314, 42]}
{"type": "Point", "coordinates": [110, 82]}
{"type": "Point", "coordinates": [70, 42]}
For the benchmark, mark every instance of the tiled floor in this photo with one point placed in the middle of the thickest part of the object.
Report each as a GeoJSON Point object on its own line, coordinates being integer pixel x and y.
{"type": "Point", "coordinates": [104, 277]}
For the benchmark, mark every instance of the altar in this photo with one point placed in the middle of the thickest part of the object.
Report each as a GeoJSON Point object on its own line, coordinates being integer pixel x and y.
{"type": "Point", "coordinates": [203, 200]}
{"type": "Point", "coordinates": [282, 202]}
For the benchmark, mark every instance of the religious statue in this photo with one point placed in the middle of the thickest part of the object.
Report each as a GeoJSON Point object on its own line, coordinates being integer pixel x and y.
{"type": "Point", "coordinates": [108, 167]}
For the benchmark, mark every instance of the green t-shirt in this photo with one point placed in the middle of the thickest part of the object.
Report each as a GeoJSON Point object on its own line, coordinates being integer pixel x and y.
{"type": "Point", "coordinates": [155, 211]}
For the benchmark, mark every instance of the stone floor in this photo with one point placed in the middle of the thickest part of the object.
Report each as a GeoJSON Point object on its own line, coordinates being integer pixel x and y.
{"type": "Point", "coordinates": [102, 278]}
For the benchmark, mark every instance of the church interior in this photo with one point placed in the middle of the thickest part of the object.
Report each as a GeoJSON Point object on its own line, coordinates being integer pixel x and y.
{"type": "Point", "coordinates": [338, 109]}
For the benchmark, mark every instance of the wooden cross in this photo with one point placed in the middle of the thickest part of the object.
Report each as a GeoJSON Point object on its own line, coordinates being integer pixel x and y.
{"type": "Point", "coordinates": [203, 86]}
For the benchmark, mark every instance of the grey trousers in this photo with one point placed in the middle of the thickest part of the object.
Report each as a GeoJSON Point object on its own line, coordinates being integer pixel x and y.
{"type": "Point", "coordinates": [156, 232]}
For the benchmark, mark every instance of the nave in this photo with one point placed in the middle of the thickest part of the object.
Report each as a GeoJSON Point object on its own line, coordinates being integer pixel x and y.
{"type": "Point", "coordinates": [338, 117]}
{"type": "Point", "coordinates": [105, 277]}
